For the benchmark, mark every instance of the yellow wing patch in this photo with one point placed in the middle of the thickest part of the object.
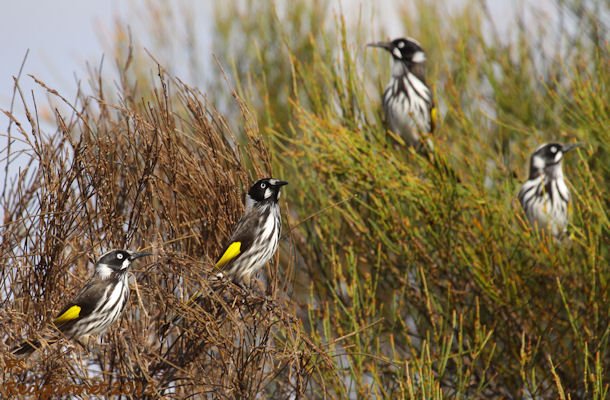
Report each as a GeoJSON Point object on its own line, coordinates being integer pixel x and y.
{"type": "Point", "coordinates": [70, 314]}
{"type": "Point", "coordinates": [433, 115]}
{"type": "Point", "coordinates": [232, 251]}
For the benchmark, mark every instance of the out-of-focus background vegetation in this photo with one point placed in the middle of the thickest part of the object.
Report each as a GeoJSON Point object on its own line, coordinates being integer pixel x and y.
{"type": "Point", "coordinates": [395, 279]}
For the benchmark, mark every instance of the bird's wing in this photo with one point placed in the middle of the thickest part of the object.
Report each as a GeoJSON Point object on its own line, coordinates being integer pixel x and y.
{"type": "Point", "coordinates": [82, 305]}
{"type": "Point", "coordinates": [433, 116]}
{"type": "Point", "coordinates": [240, 241]}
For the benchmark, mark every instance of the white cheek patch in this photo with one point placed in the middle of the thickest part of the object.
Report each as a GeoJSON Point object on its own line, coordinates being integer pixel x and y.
{"type": "Point", "coordinates": [397, 53]}
{"type": "Point", "coordinates": [419, 57]}
{"type": "Point", "coordinates": [104, 271]}
{"type": "Point", "coordinates": [278, 194]}
{"type": "Point", "coordinates": [125, 264]}
{"type": "Point", "coordinates": [268, 193]}
{"type": "Point", "coordinates": [538, 162]}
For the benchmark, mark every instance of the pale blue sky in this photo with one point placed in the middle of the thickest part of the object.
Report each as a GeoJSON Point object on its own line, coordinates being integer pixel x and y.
{"type": "Point", "coordinates": [63, 35]}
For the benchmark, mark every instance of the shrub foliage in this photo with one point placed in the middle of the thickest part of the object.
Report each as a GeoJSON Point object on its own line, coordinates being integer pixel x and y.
{"type": "Point", "coordinates": [396, 277]}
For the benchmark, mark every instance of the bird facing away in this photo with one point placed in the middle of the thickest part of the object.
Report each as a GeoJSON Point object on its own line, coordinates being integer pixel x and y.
{"type": "Point", "coordinates": [256, 236]}
{"type": "Point", "coordinates": [98, 304]}
{"type": "Point", "coordinates": [407, 100]}
{"type": "Point", "coordinates": [545, 195]}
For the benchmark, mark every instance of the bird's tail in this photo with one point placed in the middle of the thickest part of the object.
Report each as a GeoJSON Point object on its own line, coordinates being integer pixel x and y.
{"type": "Point", "coordinates": [200, 299]}
{"type": "Point", "coordinates": [26, 348]}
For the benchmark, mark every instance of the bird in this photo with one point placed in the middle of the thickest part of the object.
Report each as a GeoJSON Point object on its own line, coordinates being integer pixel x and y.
{"type": "Point", "coordinates": [97, 306]}
{"type": "Point", "coordinates": [408, 103]}
{"type": "Point", "coordinates": [256, 235]}
{"type": "Point", "coordinates": [545, 196]}
{"type": "Point", "coordinates": [252, 243]}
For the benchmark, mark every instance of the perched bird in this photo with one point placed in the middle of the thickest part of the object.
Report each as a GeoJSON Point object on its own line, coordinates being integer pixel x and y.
{"type": "Point", "coordinates": [545, 195]}
{"type": "Point", "coordinates": [253, 242]}
{"type": "Point", "coordinates": [97, 306]}
{"type": "Point", "coordinates": [256, 236]}
{"type": "Point", "coordinates": [407, 100]}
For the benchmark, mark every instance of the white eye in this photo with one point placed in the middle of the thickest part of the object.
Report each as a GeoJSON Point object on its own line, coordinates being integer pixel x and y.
{"type": "Point", "coordinates": [401, 44]}
{"type": "Point", "coordinates": [119, 256]}
{"type": "Point", "coordinates": [263, 185]}
{"type": "Point", "coordinates": [553, 149]}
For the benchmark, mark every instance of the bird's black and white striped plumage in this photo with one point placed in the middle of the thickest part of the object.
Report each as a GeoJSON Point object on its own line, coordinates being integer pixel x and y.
{"type": "Point", "coordinates": [99, 303]}
{"type": "Point", "coordinates": [545, 196]}
{"type": "Point", "coordinates": [407, 100]}
{"type": "Point", "coordinates": [252, 244]}
{"type": "Point", "coordinates": [256, 236]}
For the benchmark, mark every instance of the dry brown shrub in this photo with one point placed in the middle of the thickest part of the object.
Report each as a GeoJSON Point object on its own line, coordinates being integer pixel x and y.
{"type": "Point", "coordinates": [158, 169]}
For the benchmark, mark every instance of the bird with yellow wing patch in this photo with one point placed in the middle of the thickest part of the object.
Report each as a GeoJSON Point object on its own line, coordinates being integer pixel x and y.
{"type": "Point", "coordinates": [97, 306]}
{"type": "Point", "coordinates": [256, 236]}
{"type": "Point", "coordinates": [408, 103]}
{"type": "Point", "coordinates": [252, 244]}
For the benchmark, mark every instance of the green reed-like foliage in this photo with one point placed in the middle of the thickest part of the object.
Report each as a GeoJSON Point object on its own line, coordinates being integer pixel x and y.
{"type": "Point", "coordinates": [421, 285]}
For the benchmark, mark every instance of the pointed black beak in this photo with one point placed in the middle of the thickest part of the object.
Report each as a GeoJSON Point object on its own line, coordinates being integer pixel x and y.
{"type": "Point", "coordinates": [567, 147]}
{"type": "Point", "coordinates": [383, 45]}
{"type": "Point", "coordinates": [281, 183]}
{"type": "Point", "coordinates": [135, 256]}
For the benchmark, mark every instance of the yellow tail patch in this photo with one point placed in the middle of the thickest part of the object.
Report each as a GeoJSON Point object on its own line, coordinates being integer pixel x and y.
{"type": "Point", "coordinates": [232, 251]}
{"type": "Point", "coordinates": [70, 314]}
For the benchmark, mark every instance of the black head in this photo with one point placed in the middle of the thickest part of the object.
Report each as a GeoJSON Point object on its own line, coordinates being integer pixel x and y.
{"type": "Point", "coordinates": [405, 50]}
{"type": "Point", "coordinates": [118, 260]}
{"type": "Point", "coordinates": [548, 156]}
{"type": "Point", "coordinates": [267, 189]}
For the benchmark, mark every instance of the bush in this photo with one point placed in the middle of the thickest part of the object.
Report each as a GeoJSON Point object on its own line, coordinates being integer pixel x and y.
{"type": "Point", "coordinates": [395, 278]}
